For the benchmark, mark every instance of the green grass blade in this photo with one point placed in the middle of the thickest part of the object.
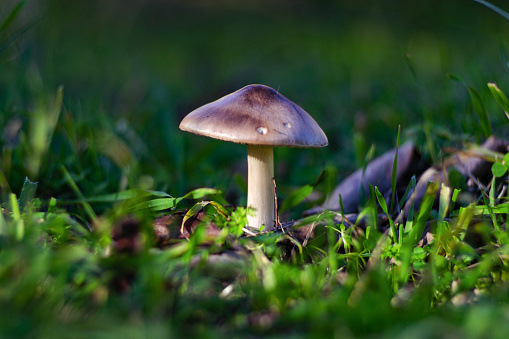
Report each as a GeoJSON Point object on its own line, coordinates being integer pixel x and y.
{"type": "Point", "coordinates": [477, 105]}
{"type": "Point", "coordinates": [410, 188]}
{"type": "Point", "coordinates": [16, 214]}
{"type": "Point", "coordinates": [395, 171]}
{"type": "Point", "coordinates": [19, 226]}
{"type": "Point", "coordinates": [503, 56]}
{"type": "Point", "coordinates": [464, 216]}
{"type": "Point", "coordinates": [372, 206]}
{"type": "Point", "coordinates": [193, 210]}
{"type": "Point", "coordinates": [507, 215]}
{"type": "Point", "coordinates": [12, 15]}
{"type": "Point", "coordinates": [413, 238]}
{"type": "Point", "coordinates": [194, 194]}
{"type": "Point", "coordinates": [481, 111]}
{"type": "Point", "coordinates": [200, 193]}
{"type": "Point", "coordinates": [156, 204]}
{"type": "Point", "coordinates": [491, 194]}
{"type": "Point", "coordinates": [27, 193]}
{"type": "Point", "coordinates": [410, 217]}
{"type": "Point", "coordinates": [430, 141]}
{"type": "Point", "coordinates": [329, 182]}
{"type": "Point", "coordinates": [295, 198]}
{"type": "Point", "coordinates": [41, 128]}
{"type": "Point", "coordinates": [443, 209]}
{"type": "Point", "coordinates": [490, 201]}
{"type": "Point", "coordinates": [383, 205]}
{"type": "Point", "coordinates": [88, 209]}
{"type": "Point", "coordinates": [239, 180]}
{"type": "Point", "coordinates": [455, 195]}
{"type": "Point", "coordinates": [411, 66]}
{"type": "Point", "coordinates": [360, 148]}
{"type": "Point", "coordinates": [381, 201]}
{"type": "Point", "coordinates": [3, 224]}
{"type": "Point", "coordinates": [500, 97]}
{"type": "Point", "coordinates": [52, 205]}
{"type": "Point", "coordinates": [445, 202]}
{"type": "Point", "coordinates": [157, 200]}
{"type": "Point", "coordinates": [424, 212]}
{"type": "Point", "coordinates": [486, 209]}
{"type": "Point", "coordinates": [120, 196]}
{"type": "Point", "coordinates": [341, 206]}
{"type": "Point", "coordinates": [199, 206]}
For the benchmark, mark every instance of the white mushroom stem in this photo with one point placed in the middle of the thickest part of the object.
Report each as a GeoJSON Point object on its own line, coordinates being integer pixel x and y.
{"type": "Point", "coordinates": [260, 188]}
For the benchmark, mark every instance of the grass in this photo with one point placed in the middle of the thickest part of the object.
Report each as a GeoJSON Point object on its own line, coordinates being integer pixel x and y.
{"type": "Point", "coordinates": [87, 167]}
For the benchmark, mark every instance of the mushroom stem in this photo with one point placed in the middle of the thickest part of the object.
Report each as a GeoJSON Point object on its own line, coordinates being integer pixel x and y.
{"type": "Point", "coordinates": [260, 188]}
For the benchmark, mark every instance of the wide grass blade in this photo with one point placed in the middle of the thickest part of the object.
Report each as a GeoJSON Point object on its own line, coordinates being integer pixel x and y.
{"type": "Point", "coordinates": [478, 106]}
{"type": "Point", "coordinates": [373, 211]}
{"type": "Point", "coordinates": [42, 126]}
{"type": "Point", "coordinates": [27, 193]}
{"type": "Point", "coordinates": [120, 196]}
{"type": "Point", "coordinates": [3, 223]}
{"type": "Point", "coordinates": [296, 197]}
{"type": "Point", "coordinates": [503, 56]}
{"type": "Point", "coordinates": [155, 205]}
{"type": "Point", "coordinates": [481, 111]}
{"type": "Point", "coordinates": [12, 15]}
{"type": "Point", "coordinates": [199, 193]}
{"type": "Point", "coordinates": [19, 224]}
{"type": "Point", "coordinates": [410, 188]}
{"type": "Point", "coordinates": [445, 202]}
{"type": "Point", "coordinates": [424, 212]}
{"type": "Point", "coordinates": [239, 180]}
{"type": "Point", "coordinates": [381, 201]}
{"type": "Point", "coordinates": [486, 209]}
{"type": "Point", "coordinates": [500, 97]}
{"type": "Point", "coordinates": [154, 200]}
{"type": "Point", "coordinates": [464, 217]}
{"type": "Point", "coordinates": [383, 205]}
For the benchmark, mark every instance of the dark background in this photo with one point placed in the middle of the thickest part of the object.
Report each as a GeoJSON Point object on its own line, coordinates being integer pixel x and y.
{"type": "Point", "coordinates": [131, 70]}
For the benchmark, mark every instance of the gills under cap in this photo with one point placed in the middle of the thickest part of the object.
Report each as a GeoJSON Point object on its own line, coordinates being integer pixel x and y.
{"type": "Point", "coordinates": [256, 115]}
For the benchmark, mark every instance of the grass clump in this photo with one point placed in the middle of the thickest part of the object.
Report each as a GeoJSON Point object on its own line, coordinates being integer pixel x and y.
{"type": "Point", "coordinates": [108, 276]}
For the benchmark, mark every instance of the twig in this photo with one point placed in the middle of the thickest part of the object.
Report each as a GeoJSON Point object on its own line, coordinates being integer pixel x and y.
{"type": "Point", "coordinates": [502, 192]}
{"type": "Point", "coordinates": [277, 222]}
{"type": "Point", "coordinates": [305, 242]}
{"type": "Point", "coordinates": [248, 232]}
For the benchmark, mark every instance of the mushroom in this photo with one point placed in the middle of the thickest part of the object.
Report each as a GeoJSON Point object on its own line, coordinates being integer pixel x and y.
{"type": "Point", "coordinates": [261, 118]}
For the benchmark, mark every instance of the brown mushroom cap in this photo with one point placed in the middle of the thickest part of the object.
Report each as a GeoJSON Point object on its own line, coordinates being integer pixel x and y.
{"type": "Point", "coordinates": [256, 115]}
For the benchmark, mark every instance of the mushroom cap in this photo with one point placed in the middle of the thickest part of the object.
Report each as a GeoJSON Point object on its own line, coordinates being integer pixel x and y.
{"type": "Point", "coordinates": [256, 115]}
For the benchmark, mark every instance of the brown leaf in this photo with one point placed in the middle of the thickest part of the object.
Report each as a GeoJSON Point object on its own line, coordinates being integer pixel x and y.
{"type": "Point", "coordinates": [378, 173]}
{"type": "Point", "coordinates": [168, 227]}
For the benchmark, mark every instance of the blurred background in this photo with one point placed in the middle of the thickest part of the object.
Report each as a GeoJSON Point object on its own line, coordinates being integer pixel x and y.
{"type": "Point", "coordinates": [127, 72]}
